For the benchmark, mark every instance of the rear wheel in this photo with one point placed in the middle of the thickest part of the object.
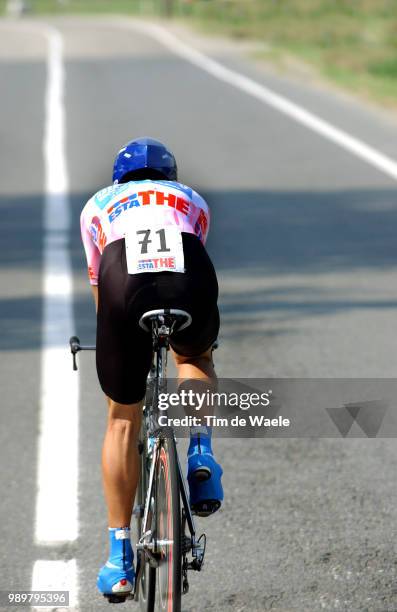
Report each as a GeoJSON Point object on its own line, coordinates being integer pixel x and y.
{"type": "Point", "coordinates": [147, 574]}
{"type": "Point", "coordinates": [168, 528]}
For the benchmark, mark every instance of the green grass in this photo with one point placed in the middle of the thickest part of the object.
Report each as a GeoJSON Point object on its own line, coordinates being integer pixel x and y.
{"type": "Point", "coordinates": [351, 42]}
{"type": "Point", "coordinates": [41, 7]}
{"type": "Point", "coordinates": [54, 7]}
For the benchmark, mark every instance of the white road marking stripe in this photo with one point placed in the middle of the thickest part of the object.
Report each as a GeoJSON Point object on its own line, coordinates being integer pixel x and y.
{"type": "Point", "coordinates": [56, 576]}
{"type": "Point", "coordinates": [57, 506]}
{"type": "Point", "coordinates": [359, 148]}
{"type": "Point", "coordinates": [57, 471]}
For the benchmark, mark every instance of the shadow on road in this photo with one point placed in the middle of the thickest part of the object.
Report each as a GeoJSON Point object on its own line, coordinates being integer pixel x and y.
{"type": "Point", "coordinates": [304, 232]}
{"type": "Point", "coordinates": [255, 234]}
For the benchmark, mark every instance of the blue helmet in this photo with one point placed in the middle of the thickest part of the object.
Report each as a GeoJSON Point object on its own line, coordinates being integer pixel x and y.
{"type": "Point", "coordinates": [144, 153]}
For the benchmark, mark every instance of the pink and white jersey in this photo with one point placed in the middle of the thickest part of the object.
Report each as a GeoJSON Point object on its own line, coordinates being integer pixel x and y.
{"type": "Point", "coordinates": [104, 217]}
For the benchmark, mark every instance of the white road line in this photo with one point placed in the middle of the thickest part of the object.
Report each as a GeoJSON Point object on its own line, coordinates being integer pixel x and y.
{"type": "Point", "coordinates": [359, 148]}
{"type": "Point", "coordinates": [56, 576]}
{"type": "Point", "coordinates": [57, 471]}
{"type": "Point", "coordinates": [57, 507]}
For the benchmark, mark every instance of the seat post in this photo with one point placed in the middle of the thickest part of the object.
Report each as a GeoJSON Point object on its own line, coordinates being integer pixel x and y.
{"type": "Point", "coordinates": [160, 332]}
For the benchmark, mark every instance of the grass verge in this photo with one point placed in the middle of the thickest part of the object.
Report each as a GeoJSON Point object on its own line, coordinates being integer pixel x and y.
{"type": "Point", "coordinates": [351, 42]}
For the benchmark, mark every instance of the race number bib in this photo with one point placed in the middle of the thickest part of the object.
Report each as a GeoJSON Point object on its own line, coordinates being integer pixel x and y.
{"type": "Point", "coordinates": [153, 248]}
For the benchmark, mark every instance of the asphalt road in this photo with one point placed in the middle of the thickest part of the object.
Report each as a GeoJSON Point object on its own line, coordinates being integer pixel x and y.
{"type": "Point", "coordinates": [304, 241]}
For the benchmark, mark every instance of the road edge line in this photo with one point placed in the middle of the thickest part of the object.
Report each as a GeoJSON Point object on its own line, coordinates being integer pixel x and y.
{"type": "Point", "coordinates": [294, 111]}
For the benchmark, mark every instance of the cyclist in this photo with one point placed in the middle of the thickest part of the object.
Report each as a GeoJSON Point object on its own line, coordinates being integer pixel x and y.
{"type": "Point", "coordinates": [144, 242]}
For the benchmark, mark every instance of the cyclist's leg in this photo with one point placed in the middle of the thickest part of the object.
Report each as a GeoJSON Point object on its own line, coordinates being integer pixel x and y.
{"type": "Point", "coordinates": [201, 366]}
{"type": "Point", "coordinates": [120, 461]}
{"type": "Point", "coordinates": [193, 356]}
{"type": "Point", "coordinates": [120, 470]}
{"type": "Point", "coordinates": [204, 473]}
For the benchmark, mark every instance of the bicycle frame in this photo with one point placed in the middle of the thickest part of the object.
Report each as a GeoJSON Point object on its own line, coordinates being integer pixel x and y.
{"type": "Point", "coordinates": [157, 383]}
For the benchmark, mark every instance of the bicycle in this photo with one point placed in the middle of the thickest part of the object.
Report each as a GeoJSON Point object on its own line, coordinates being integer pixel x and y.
{"type": "Point", "coordinates": [167, 546]}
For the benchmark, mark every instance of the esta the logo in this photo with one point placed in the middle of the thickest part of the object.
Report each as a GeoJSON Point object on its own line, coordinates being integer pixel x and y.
{"type": "Point", "coordinates": [157, 263]}
{"type": "Point", "coordinates": [147, 198]}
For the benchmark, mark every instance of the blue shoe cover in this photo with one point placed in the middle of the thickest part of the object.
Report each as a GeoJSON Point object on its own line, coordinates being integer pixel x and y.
{"type": "Point", "coordinates": [206, 492]}
{"type": "Point", "coordinates": [117, 576]}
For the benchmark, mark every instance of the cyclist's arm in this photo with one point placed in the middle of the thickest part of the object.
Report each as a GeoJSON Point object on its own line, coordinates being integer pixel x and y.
{"type": "Point", "coordinates": [92, 253]}
{"type": "Point", "coordinates": [95, 294]}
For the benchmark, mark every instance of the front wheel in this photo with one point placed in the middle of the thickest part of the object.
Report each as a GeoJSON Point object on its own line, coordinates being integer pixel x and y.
{"type": "Point", "coordinates": [168, 527]}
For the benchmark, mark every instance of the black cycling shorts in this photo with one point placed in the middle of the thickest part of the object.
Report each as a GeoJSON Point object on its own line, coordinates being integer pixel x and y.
{"type": "Point", "coordinates": [124, 350]}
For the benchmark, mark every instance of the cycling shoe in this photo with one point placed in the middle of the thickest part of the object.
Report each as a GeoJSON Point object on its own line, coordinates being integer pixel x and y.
{"type": "Point", "coordinates": [116, 578]}
{"type": "Point", "coordinates": [204, 478]}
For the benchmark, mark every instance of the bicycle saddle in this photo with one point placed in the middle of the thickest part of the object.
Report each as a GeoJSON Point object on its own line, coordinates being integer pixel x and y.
{"type": "Point", "coordinates": [175, 319]}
